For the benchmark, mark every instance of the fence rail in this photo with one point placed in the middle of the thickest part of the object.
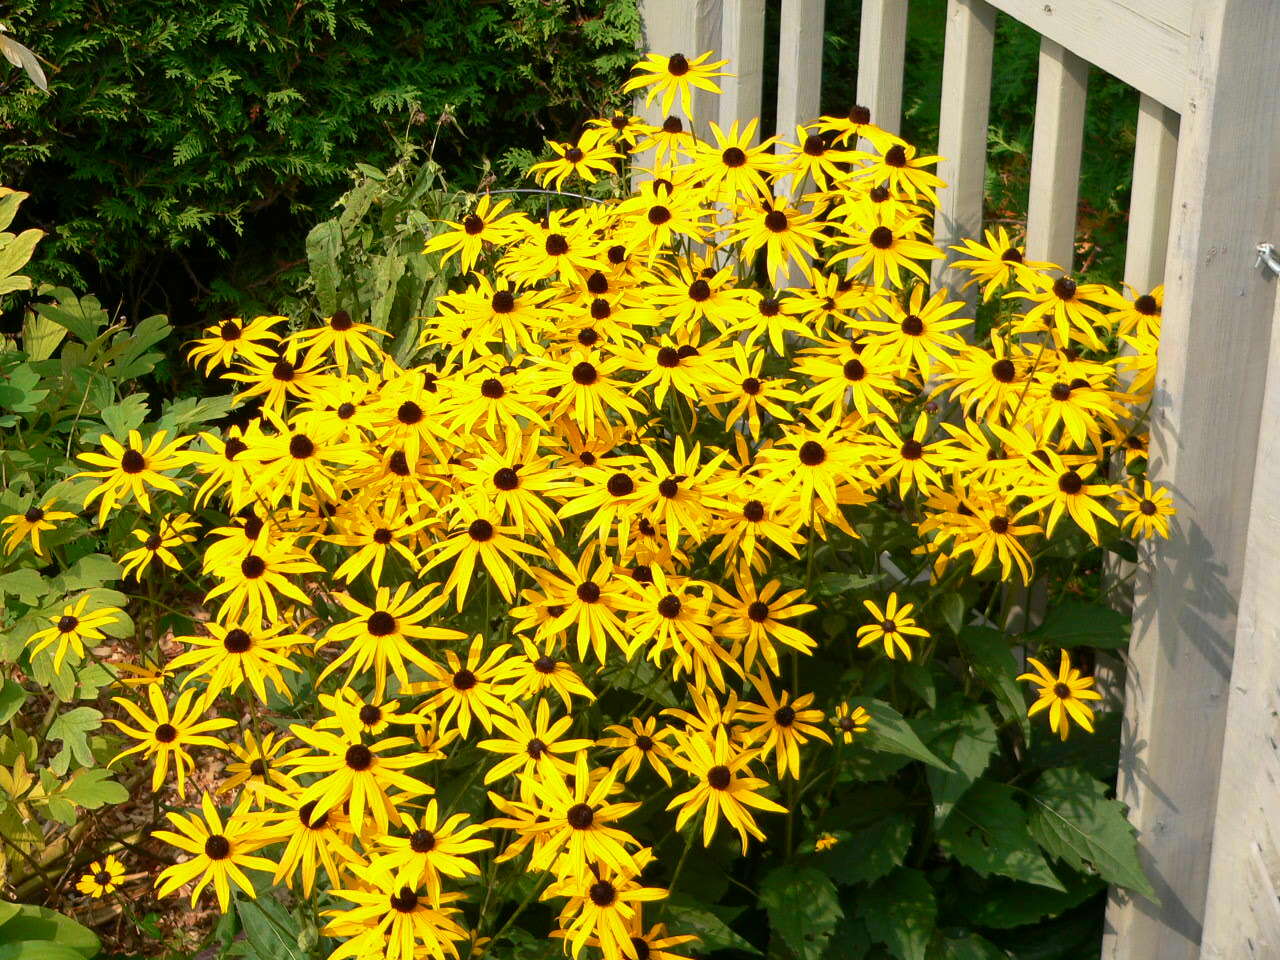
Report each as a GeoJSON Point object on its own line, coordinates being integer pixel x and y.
{"type": "Point", "coordinates": [1206, 189]}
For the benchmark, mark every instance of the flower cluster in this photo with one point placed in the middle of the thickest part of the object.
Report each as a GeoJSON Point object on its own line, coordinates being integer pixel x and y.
{"type": "Point", "coordinates": [612, 459]}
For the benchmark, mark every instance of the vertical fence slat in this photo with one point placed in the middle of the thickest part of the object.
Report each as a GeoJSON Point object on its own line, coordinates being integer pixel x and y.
{"type": "Point", "coordinates": [799, 70]}
{"type": "Point", "coordinates": [742, 43]}
{"type": "Point", "coordinates": [962, 134]}
{"type": "Point", "coordinates": [882, 47]}
{"type": "Point", "coordinates": [1055, 155]}
{"type": "Point", "coordinates": [1150, 202]}
{"type": "Point", "coordinates": [1205, 429]}
{"type": "Point", "coordinates": [1242, 913]}
{"type": "Point", "coordinates": [680, 26]}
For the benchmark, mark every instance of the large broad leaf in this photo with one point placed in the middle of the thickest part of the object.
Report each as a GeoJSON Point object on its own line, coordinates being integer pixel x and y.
{"type": "Point", "coordinates": [323, 243]}
{"type": "Point", "coordinates": [268, 938]}
{"type": "Point", "coordinates": [73, 727]}
{"type": "Point", "coordinates": [966, 743]}
{"type": "Point", "coordinates": [899, 912]}
{"type": "Point", "coordinates": [83, 316]}
{"type": "Point", "coordinates": [94, 788]}
{"type": "Point", "coordinates": [1078, 623]}
{"type": "Point", "coordinates": [1071, 817]}
{"type": "Point", "coordinates": [38, 950]}
{"type": "Point", "coordinates": [1002, 904]}
{"type": "Point", "coordinates": [989, 655]}
{"type": "Point", "coordinates": [685, 917]}
{"type": "Point", "coordinates": [967, 946]}
{"type": "Point", "coordinates": [41, 923]}
{"type": "Point", "coordinates": [987, 832]}
{"type": "Point", "coordinates": [874, 830]}
{"type": "Point", "coordinates": [890, 733]}
{"type": "Point", "coordinates": [803, 908]}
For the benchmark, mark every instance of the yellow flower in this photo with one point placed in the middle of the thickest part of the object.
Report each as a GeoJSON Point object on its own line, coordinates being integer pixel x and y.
{"type": "Point", "coordinates": [167, 733]}
{"type": "Point", "coordinates": [1146, 510]}
{"type": "Point", "coordinates": [467, 237]}
{"type": "Point", "coordinates": [218, 851]}
{"type": "Point", "coordinates": [72, 629]}
{"type": "Point", "coordinates": [591, 153]}
{"type": "Point", "coordinates": [674, 76]}
{"type": "Point", "coordinates": [31, 523]}
{"type": "Point", "coordinates": [433, 848]}
{"type": "Point", "coordinates": [893, 625]}
{"type": "Point", "coordinates": [850, 721]}
{"type": "Point", "coordinates": [170, 532]}
{"type": "Point", "coordinates": [389, 920]}
{"type": "Point", "coordinates": [825, 842]}
{"type": "Point", "coordinates": [1062, 695]}
{"type": "Point", "coordinates": [782, 726]}
{"type": "Point", "coordinates": [131, 470]}
{"type": "Point", "coordinates": [102, 877]}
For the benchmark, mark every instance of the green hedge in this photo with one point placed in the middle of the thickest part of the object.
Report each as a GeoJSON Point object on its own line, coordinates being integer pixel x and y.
{"type": "Point", "coordinates": [193, 142]}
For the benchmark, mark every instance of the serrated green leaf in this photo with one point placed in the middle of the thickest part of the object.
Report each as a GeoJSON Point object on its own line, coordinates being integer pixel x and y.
{"type": "Point", "coordinates": [987, 832]}
{"type": "Point", "coordinates": [82, 316]}
{"type": "Point", "coordinates": [953, 608]}
{"type": "Point", "coordinates": [269, 941]}
{"type": "Point", "coordinates": [967, 745]}
{"type": "Point", "coordinates": [967, 946]}
{"type": "Point", "coordinates": [890, 733]}
{"type": "Point", "coordinates": [989, 655]}
{"type": "Point", "coordinates": [126, 415]}
{"type": "Point", "coordinates": [899, 911]}
{"type": "Point", "coordinates": [803, 908]}
{"type": "Point", "coordinates": [1076, 623]}
{"type": "Point", "coordinates": [868, 853]}
{"type": "Point", "coordinates": [687, 917]}
{"type": "Point", "coordinates": [25, 584]}
{"type": "Point", "coordinates": [1001, 904]}
{"type": "Point", "coordinates": [1071, 816]}
{"type": "Point", "coordinates": [94, 788]}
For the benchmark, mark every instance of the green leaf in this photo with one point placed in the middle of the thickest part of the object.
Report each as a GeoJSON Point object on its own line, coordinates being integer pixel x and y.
{"type": "Point", "coordinates": [269, 941]}
{"type": "Point", "coordinates": [969, 946]}
{"type": "Point", "coordinates": [987, 832]}
{"type": "Point", "coordinates": [1002, 904]}
{"type": "Point", "coordinates": [40, 336]}
{"type": "Point", "coordinates": [134, 361]}
{"type": "Point", "coordinates": [38, 950]}
{"type": "Point", "coordinates": [1075, 623]}
{"type": "Point", "coordinates": [126, 415]}
{"type": "Point", "coordinates": [874, 830]}
{"type": "Point", "coordinates": [953, 608]}
{"type": "Point", "coordinates": [713, 933]}
{"type": "Point", "coordinates": [72, 727]}
{"type": "Point", "coordinates": [1072, 818]}
{"type": "Point", "coordinates": [192, 410]}
{"type": "Point", "coordinates": [51, 927]}
{"type": "Point", "coordinates": [12, 697]}
{"type": "Point", "coordinates": [94, 788]}
{"type": "Point", "coordinates": [803, 908]}
{"type": "Point", "coordinates": [989, 655]}
{"type": "Point", "coordinates": [899, 912]}
{"type": "Point", "coordinates": [323, 243]}
{"type": "Point", "coordinates": [83, 316]}
{"type": "Point", "coordinates": [835, 584]}
{"type": "Point", "coordinates": [90, 571]}
{"type": "Point", "coordinates": [888, 732]}
{"type": "Point", "coordinates": [967, 744]}
{"type": "Point", "coordinates": [25, 584]}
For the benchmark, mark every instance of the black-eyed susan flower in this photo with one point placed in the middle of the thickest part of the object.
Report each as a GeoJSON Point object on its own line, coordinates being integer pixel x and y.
{"type": "Point", "coordinates": [1062, 695]}
{"type": "Point", "coordinates": [129, 469]}
{"type": "Point", "coordinates": [312, 841]}
{"type": "Point", "coordinates": [233, 339]}
{"type": "Point", "coordinates": [994, 263]}
{"type": "Point", "coordinates": [674, 76]}
{"type": "Point", "coordinates": [781, 724]}
{"type": "Point", "coordinates": [72, 628]}
{"type": "Point", "coordinates": [536, 672]}
{"type": "Point", "coordinates": [602, 908]}
{"type": "Point", "coordinates": [219, 851]}
{"type": "Point", "coordinates": [886, 250]}
{"type": "Point", "coordinates": [434, 846]}
{"type": "Point", "coordinates": [232, 654]}
{"type": "Point", "coordinates": [725, 788]}
{"type": "Point", "coordinates": [258, 767]}
{"type": "Point", "coordinates": [390, 920]}
{"type": "Point", "coordinates": [849, 721]}
{"type": "Point", "coordinates": [786, 234]}
{"type": "Point", "coordinates": [476, 687]}
{"type": "Point", "coordinates": [1064, 489]}
{"type": "Point", "coordinates": [591, 154]}
{"type": "Point", "coordinates": [734, 167]}
{"type": "Point", "coordinates": [250, 584]}
{"type": "Point", "coordinates": [1146, 509]}
{"type": "Point", "coordinates": [755, 620]}
{"type": "Point", "coordinates": [165, 734]}
{"type": "Point", "coordinates": [159, 544]}
{"type": "Point", "coordinates": [891, 625]}
{"type": "Point", "coordinates": [466, 238]}
{"type": "Point", "coordinates": [29, 524]}
{"type": "Point", "coordinates": [342, 339]}
{"type": "Point", "coordinates": [102, 877]}
{"type": "Point", "coordinates": [530, 745]}
{"type": "Point", "coordinates": [644, 742]}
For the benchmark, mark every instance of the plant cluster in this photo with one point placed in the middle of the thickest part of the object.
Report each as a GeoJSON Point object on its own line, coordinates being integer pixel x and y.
{"type": "Point", "coordinates": [674, 564]}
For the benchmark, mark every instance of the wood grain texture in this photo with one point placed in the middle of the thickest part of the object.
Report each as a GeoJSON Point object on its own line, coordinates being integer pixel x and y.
{"type": "Point", "coordinates": [1242, 913]}
{"type": "Point", "coordinates": [799, 72]}
{"type": "Point", "coordinates": [742, 44]}
{"type": "Point", "coordinates": [962, 135]}
{"type": "Point", "coordinates": [882, 46]}
{"type": "Point", "coordinates": [1055, 155]}
{"type": "Point", "coordinates": [1142, 42]}
{"type": "Point", "coordinates": [1150, 202]}
{"type": "Point", "coordinates": [681, 26]}
{"type": "Point", "coordinates": [1205, 421]}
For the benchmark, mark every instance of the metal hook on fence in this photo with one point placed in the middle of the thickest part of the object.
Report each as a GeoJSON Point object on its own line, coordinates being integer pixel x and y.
{"type": "Point", "coordinates": [1267, 255]}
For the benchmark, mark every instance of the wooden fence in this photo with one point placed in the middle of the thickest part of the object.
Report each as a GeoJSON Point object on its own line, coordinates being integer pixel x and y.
{"type": "Point", "coordinates": [1200, 762]}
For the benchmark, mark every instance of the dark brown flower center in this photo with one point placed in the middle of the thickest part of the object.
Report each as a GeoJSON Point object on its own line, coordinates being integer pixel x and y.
{"type": "Point", "coordinates": [422, 841]}
{"type": "Point", "coordinates": [258, 768]}
{"type": "Point", "coordinates": [370, 714]}
{"type": "Point", "coordinates": [556, 245]}
{"type": "Point", "coordinates": [600, 309]}
{"type": "Point", "coordinates": [1012, 255]}
{"type": "Point", "coordinates": [345, 411]}
{"type": "Point", "coordinates": [776, 221]}
{"type": "Point", "coordinates": [602, 893]}
{"type": "Point", "coordinates": [166, 733]}
{"type": "Point", "coordinates": [1148, 508]}
{"type": "Point", "coordinates": [217, 847]}
{"type": "Point", "coordinates": [237, 640]}
{"type": "Point", "coordinates": [535, 748]}
{"type": "Point", "coordinates": [464, 680]}
{"type": "Point", "coordinates": [1004, 370]}
{"type": "Point", "coordinates": [669, 606]}
{"type": "Point", "coordinates": [358, 757]}
{"type": "Point", "coordinates": [1062, 691]}
{"type": "Point", "coordinates": [67, 624]}
{"type": "Point", "coordinates": [753, 511]}
{"type": "Point", "coordinates": [382, 536]}
{"type": "Point", "coordinates": [492, 388]}
{"type": "Point", "coordinates": [398, 464]}
{"type": "Point", "coordinates": [306, 815]}
{"type": "Point", "coordinates": [1147, 306]}
{"type": "Point", "coordinates": [668, 357]}
{"type": "Point", "coordinates": [812, 453]}
{"type": "Point", "coordinates": [132, 461]}
{"type": "Point", "coordinates": [896, 156]}
{"type": "Point", "coordinates": [620, 485]}
{"type": "Point", "coordinates": [283, 371]}
{"type": "Point", "coordinates": [784, 716]}
{"type": "Point", "coordinates": [999, 525]}
{"type": "Point", "coordinates": [1060, 391]}
{"type": "Point", "coordinates": [719, 777]}
{"type": "Point", "coordinates": [733, 157]}
{"type": "Point", "coordinates": [301, 446]}
{"type": "Point", "coordinates": [588, 591]}
{"type": "Point", "coordinates": [574, 155]}
{"type": "Point", "coordinates": [668, 487]}
{"type": "Point", "coordinates": [758, 611]}
{"type": "Point", "coordinates": [472, 225]}
{"type": "Point", "coordinates": [854, 370]}
{"type": "Point", "coordinates": [544, 665]}
{"type": "Point", "coordinates": [506, 478]}
{"type": "Point", "coordinates": [580, 816]}
{"type": "Point", "coordinates": [658, 215]}
{"type": "Point", "coordinates": [814, 145]}
{"type": "Point", "coordinates": [860, 115]}
{"type": "Point", "coordinates": [480, 530]}
{"type": "Point", "coordinates": [103, 878]}
{"type": "Point", "coordinates": [253, 566]}
{"type": "Point", "coordinates": [1070, 483]}
{"type": "Point", "coordinates": [405, 901]}
{"type": "Point", "coordinates": [33, 515]}
{"type": "Point", "coordinates": [229, 331]}
{"type": "Point", "coordinates": [699, 290]}
{"type": "Point", "coordinates": [912, 325]}
{"type": "Point", "coordinates": [678, 65]}
{"type": "Point", "coordinates": [881, 238]}
{"type": "Point", "coordinates": [341, 321]}
{"type": "Point", "coordinates": [1064, 288]}
{"type": "Point", "coordinates": [644, 743]}
{"type": "Point", "coordinates": [584, 374]}
{"type": "Point", "coordinates": [912, 450]}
